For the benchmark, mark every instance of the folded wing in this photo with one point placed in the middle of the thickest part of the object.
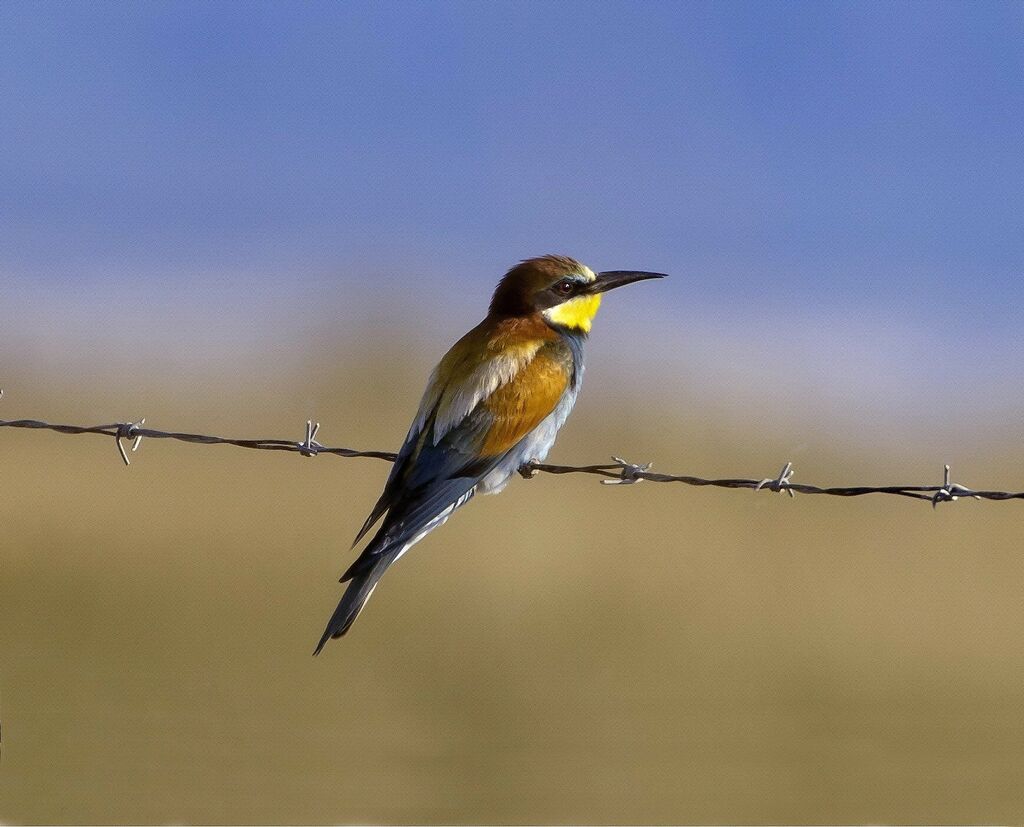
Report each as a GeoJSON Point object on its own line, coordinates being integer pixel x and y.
{"type": "Point", "coordinates": [474, 413]}
{"type": "Point", "coordinates": [434, 471]}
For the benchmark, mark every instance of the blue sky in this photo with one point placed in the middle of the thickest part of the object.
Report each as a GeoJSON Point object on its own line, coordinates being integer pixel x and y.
{"type": "Point", "coordinates": [818, 167]}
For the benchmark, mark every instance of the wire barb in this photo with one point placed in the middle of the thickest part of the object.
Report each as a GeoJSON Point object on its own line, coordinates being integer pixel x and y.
{"type": "Point", "coordinates": [129, 430]}
{"type": "Point", "coordinates": [630, 473]}
{"type": "Point", "coordinates": [780, 483]}
{"type": "Point", "coordinates": [309, 447]}
{"type": "Point", "coordinates": [950, 492]}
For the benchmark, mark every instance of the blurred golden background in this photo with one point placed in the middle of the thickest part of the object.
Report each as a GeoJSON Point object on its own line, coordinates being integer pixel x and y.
{"type": "Point", "coordinates": [564, 652]}
{"type": "Point", "coordinates": [231, 217]}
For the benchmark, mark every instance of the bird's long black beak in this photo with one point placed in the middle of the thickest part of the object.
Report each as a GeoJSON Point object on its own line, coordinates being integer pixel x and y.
{"type": "Point", "coordinates": [610, 279]}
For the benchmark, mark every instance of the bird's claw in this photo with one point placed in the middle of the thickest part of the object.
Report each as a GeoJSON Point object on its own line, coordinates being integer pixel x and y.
{"type": "Point", "coordinates": [528, 470]}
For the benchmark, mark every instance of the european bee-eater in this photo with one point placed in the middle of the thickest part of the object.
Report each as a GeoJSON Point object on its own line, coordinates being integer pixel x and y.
{"type": "Point", "coordinates": [493, 404]}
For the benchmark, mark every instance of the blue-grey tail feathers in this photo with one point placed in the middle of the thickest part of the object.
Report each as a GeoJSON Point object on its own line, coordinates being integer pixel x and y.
{"type": "Point", "coordinates": [358, 592]}
{"type": "Point", "coordinates": [418, 518]}
{"type": "Point", "coordinates": [375, 515]}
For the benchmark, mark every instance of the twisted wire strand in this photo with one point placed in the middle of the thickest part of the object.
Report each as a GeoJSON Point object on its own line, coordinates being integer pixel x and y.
{"type": "Point", "coordinates": [619, 472]}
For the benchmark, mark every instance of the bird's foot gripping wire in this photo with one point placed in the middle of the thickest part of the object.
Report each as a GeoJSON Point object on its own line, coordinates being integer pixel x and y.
{"type": "Point", "coordinates": [780, 483]}
{"type": "Point", "coordinates": [309, 447]}
{"type": "Point", "coordinates": [630, 473]}
{"type": "Point", "coordinates": [950, 491]}
{"type": "Point", "coordinates": [528, 470]}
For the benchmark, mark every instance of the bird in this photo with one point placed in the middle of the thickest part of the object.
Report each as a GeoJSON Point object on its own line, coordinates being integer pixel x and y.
{"type": "Point", "coordinates": [494, 403]}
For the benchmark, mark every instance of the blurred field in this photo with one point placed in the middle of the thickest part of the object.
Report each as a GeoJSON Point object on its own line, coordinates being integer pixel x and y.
{"type": "Point", "coordinates": [566, 652]}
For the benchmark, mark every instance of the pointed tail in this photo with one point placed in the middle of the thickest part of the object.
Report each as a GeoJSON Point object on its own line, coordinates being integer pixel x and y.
{"type": "Point", "coordinates": [352, 601]}
{"type": "Point", "coordinates": [389, 544]}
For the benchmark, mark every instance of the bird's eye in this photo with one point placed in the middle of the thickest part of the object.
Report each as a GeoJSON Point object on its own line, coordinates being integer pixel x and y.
{"type": "Point", "coordinates": [565, 287]}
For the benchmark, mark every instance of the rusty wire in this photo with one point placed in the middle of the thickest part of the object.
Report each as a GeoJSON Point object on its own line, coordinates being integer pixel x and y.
{"type": "Point", "coordinates": [618, 472]}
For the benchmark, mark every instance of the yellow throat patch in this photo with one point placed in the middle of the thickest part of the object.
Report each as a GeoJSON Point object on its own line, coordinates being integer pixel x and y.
{"type": "Point", "coordinates": [575, 314]}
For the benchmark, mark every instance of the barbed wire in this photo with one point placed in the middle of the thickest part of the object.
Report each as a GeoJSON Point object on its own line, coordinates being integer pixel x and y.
{"type": "Point", "coordinates": [619, 472]}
